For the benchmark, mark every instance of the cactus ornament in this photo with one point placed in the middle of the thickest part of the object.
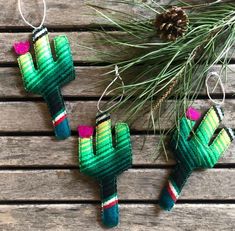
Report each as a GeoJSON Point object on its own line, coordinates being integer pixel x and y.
{"type": "Point", "coordinates": [194, 149]}
{"type": "Point", "coordinates": [49, 76]}
{"type": "Point", "coordinates": [107, 163]}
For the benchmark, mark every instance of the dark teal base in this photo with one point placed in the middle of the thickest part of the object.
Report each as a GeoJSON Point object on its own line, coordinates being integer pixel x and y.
{"type": "Point", "coordinates": [165, 201]}
{"type": "Point", "coordinates": [62, 130]}
{"type": "Point", "coordinates": [110, 216]}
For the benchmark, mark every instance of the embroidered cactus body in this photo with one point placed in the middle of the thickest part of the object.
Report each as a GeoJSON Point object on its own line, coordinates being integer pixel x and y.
{"type": "Point", "coordinates": [49, 76]}
{"type": "Point", "coordinates": [194, 149]}
{"type": "Point", "coordinates": [107, 162]}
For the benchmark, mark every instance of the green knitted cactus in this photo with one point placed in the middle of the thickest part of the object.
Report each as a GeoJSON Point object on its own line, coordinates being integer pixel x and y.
{"type": "Point", "coordinates": [49, 76]}
{"type": "Point", "coordinates": [194, 149]}
{"type": "Point", "coordinates": [107, 163]}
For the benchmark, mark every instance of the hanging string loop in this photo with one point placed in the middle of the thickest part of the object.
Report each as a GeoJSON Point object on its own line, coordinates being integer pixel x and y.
{"type": "Point", "coordinates": [117, 76]}
{"type": "Point", "coordinates": [210, 75]}
{"type": "Point", "coordinates": [27, 22]}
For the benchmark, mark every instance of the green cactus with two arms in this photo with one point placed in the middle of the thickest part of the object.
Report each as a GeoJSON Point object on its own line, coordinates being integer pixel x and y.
{"type": "Point", "coordinates": [107, 162]}
{"type": "Point", "coordinates": [49, 76]}
{"type": "Point", "coordinates": [194, 149]}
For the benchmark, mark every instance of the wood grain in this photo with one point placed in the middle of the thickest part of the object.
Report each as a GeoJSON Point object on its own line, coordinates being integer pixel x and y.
{"type": "Point", "coordinates": [86, 46]}
{"type": "Point", "coordinates": [34, 116]}
{"type": "Point", "coordinates": [135, 184]}
{"type": "Point", "coordinates": [66, 14]}
{"type": "Point", "coordinates": [184, 217]}
{"type": "Point", "coordinates": [45, 151]}
{"type": "Point", "coordinates": [60, 13]}
{"type": "Point", "coordinates": [90, 81]}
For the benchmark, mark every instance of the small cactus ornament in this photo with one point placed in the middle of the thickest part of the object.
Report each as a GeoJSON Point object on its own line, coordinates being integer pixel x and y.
{"type": "Point", "coordinates": [194, 149]}
{"type": "Point", "coordinates": [49, 76]}
{"type": "Point", "coordinates": [107, 163]}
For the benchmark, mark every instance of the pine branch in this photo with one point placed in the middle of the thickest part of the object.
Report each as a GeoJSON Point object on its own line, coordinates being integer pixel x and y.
{"type": "Point", "coordinates": [170, 69]}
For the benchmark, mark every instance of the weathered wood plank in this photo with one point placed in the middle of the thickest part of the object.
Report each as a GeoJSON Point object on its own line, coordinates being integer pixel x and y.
{"type": "Point", "coordinates": [133, 217]}
{"type": "Point", "coordinates": [90, 81]}
{"type": "Point", "coordinates": [76, 39]}
{"type": "Point", "coordinates": [135, 184]}
{"type": "Point", "coordinates": [34, 116]}
{"type": "Point", "coordinates": [63, 13]}
{"type": "Point", "coordinates": [60, 13]}
{"type": "Point", "coordinates": [45, 151]}
{"type": "Point", "coordinates": [84, 46]}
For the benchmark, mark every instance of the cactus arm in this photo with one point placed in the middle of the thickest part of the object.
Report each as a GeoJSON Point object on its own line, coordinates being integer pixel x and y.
{"type": "Point", "coordinates": [86, 153]}
{"type": "Point", "coordinates": [184, 129]}
{"type": "Point", "coordinates": [174, 186]}
{"type": "Point", "coordinates": [206, 155]}
{"type": "Point", "coordinates": [123, 145]}
{"type": "Point", "coordinates": [64, 60]}
{"type": "Point", "coordinates": [109, 202]}
{"type": "Point", "coordinates": [209, 124]}
{"type": "Point", "coordinates": [27, 70]}
{"type": "Point", "coordinates": [220, 145]}
{"type": "Point", "coordinates": [86, 150]}
{"type": "Point", "coordinates": [104, 141]}
{"type": "Point", "coordinates": [122, 136]}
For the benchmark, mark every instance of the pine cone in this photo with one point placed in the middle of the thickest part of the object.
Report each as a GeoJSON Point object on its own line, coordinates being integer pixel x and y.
{"type": "Point", "coordinates": [172, 24]}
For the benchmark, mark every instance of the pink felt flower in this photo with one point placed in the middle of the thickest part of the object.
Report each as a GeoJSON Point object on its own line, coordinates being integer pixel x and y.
{"type": "Point", "coordinates": [21, 48]}
{"type": "Point", "coordinates": [85, 131]}
{"type": "Point", "coordinates": [193, 114]}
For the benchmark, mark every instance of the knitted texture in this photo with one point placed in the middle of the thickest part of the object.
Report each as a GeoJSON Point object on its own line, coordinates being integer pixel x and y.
{"type": "Point", "coordinates": [193, 149]}
{"type": "Point", "coordinates": [107, 163]}
{"type": "Point", "coordinates": [49, 76]}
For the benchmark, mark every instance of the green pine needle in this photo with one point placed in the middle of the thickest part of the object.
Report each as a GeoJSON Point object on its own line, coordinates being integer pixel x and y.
{"type": "Point", "coordinates": [158, 65]}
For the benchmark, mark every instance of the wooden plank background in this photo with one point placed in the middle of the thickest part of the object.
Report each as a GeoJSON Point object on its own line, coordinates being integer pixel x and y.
{"type": "Point", "coordinates": [41, 187]}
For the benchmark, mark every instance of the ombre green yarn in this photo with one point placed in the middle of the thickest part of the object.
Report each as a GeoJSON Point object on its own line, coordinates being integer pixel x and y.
{"type": "Point", "coordinates": [194, 149]}
{"type": "Point", "coordinates": [49, 76]}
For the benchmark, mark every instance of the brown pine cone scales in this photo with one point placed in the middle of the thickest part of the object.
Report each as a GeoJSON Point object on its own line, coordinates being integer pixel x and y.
{"type": "Point", "coordinates": [172, 24]}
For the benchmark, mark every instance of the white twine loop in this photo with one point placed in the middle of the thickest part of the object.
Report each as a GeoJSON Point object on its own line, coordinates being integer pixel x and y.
{"type": "Point", "coordinates": [106, 89]}
{"type": "Point", "coordinates": [28, 23]}
{"type": "Point", "coordinates": [211, 74]}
